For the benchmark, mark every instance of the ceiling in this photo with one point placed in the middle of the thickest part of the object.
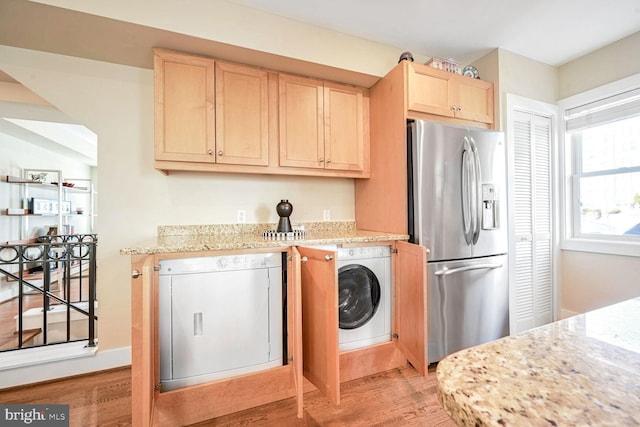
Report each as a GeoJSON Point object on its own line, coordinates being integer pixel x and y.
{"type": "Point", "coordinates": [550, 31]}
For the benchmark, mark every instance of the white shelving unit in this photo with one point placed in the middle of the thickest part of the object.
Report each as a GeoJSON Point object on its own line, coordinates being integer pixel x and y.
{"type": "Point", "coordinates": [67, 203]}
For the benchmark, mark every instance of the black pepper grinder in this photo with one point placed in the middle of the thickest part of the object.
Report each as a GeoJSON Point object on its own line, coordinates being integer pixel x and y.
{"type": "Point", "coordinates": [284, 209]}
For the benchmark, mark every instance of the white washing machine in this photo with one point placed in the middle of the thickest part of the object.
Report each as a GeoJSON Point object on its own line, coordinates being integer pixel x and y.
{"type": "Point", "coordinates": [364, 296]}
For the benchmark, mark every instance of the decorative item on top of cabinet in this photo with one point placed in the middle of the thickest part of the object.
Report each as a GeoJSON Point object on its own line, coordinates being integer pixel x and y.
{"type": "Point", "coordinates": [192, 127]}
{"type": "Point", "coordinates": [438, 92]}
{"type": "Point", "coordinates": [322, 125]}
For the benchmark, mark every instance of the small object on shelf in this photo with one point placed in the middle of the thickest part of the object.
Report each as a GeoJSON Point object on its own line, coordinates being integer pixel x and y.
{"type": "Point", "coordinates": [470, 71]}
{"type": "Point", "coordinates": [406, 56]}
{"type": "Point", "coordinates": [448, 65]}
{"type": "Point", "coordinates": [38, 177]}
{"type": "Point", "coordinates": [17, 211]}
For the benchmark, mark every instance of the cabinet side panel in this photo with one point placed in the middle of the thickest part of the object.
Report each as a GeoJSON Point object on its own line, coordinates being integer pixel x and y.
{"type": "Point", "coordinates": [381, 200]}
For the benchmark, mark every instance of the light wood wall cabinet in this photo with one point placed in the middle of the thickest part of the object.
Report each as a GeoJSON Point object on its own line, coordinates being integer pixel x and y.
{"type": "Point", "coordinates": [216, 116]}
{"type": "Point", "coordinates": [210, 112]}
{"type": "Point", "coordinates": [438, 92]}
{"type": "Point", "coordinates": [184, 108]}
{"type": "Point", "coordinates": [321, 124]}
{"type": "Point", "coordinates": [411, 91]}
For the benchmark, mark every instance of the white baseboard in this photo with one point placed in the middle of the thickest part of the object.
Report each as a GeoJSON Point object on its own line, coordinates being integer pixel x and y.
{"type": "Point", "coordinates": [34, 365]}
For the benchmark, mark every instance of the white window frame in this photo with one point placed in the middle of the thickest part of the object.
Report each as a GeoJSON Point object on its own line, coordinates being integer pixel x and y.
{"type": "Point", "coordinates": [607, 244]}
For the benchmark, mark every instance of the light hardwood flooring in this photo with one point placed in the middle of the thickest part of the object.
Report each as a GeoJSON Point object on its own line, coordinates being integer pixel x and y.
{"type": "Point", "coordinates": [398, 397]}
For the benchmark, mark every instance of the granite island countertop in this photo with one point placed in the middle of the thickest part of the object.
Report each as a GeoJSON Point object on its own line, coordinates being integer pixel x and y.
{"type": "Point", "coordinates": [580, 371]}
{"type": "Point", "coordinates": [194, 238]}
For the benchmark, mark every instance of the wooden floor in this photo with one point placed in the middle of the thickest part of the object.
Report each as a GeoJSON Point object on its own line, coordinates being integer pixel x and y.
{"type": "Point", "coordinates": [398, 397]}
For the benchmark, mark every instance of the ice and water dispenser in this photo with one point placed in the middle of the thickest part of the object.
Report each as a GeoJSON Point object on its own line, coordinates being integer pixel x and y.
{"type": "Point", "coordinates": [490, 207]}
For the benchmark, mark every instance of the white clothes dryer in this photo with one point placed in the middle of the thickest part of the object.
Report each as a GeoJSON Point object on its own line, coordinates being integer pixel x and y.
{"type": "Point", "coordinates": [364, 296]}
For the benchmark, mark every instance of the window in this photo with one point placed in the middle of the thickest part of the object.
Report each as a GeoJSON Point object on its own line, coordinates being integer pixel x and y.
{"type": "Point", "coordinates": [602, 147]}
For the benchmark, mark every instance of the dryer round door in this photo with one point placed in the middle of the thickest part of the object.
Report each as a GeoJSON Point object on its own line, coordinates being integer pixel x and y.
{"type": "Point", "coordinates": [358, 295]}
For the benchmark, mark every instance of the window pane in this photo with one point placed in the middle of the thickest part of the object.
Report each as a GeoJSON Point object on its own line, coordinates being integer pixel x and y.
{"type": "Point", "coordinates": [610, 146]}
{"type": "Point", "coordinates": [610, 204]}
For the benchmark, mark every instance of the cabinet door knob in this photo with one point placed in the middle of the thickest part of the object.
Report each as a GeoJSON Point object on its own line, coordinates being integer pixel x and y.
{"type": "Point", "coordinates": [328, 160]}
{"type": "Point", "coordinates": [210, 152]}
{"type": "Point", "coordinates": [135, 274]}
{"type": "Point", "coordinates": [328, 257]}
{"type": "Point", "coordinates": [321, 159]}
{"type": "Point", "coordinates": [304, 259]}
{"type": "Point", "coordinates": [220, 153]}
{"type": "Point", "coordinates": [452, 108]}
{"type": "Point", "coordinates": [459, 108]}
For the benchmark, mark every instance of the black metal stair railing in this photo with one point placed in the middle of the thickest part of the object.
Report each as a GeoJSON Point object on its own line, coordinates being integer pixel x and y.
{"type": "Point", "coordinates": [70, 259]}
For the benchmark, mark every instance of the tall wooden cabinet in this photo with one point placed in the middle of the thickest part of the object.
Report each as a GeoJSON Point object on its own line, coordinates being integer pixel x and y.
{"type": "Point", "coordinates": [411, 91]}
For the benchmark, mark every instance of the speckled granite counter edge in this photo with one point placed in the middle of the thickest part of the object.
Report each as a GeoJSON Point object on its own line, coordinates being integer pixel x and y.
{"type": "Point", "coordinates": [172, 239]}
{"type": "Point", "coordinates": [257, 229]}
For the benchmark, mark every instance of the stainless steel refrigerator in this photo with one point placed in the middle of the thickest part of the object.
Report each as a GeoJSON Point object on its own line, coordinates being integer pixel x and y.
{"type": "Point", "coordinates": [457, 209]}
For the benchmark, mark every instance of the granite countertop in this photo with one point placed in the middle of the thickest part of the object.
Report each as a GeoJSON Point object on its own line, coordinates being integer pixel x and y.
{"type": "Point", "coordinates": [193, 238]}
{"type": "Point", "coordinates": [580, 371]}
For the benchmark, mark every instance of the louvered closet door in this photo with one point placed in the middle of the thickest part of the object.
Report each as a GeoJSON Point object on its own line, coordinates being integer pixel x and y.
{"type": "Point", "coordinates": [531, 272]}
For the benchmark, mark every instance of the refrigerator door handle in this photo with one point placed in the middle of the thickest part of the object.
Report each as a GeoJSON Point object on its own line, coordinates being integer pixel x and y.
{"type": "Point", "coordinates": [446, 271]}
{"type": "Point", "coordinates": [467, 187]}
{"type": "Point", "coordinates": [477, 214]}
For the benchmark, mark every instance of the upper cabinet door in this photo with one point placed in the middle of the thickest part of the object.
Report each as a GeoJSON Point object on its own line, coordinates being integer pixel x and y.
{"type": "Point", "coordinates": [242, 115]}
{"type": "Point", "coordinates": [429, 92]}
{"type": "Point", "coordinates": [321, 359]}
{"type": "Point", "coordinates": [410, 275]}
{"type": "Point", "coordinates": [184, 107]}
{"type": "Point", "coordinates": [343, 127]}
{"type": "Point", "coordinates": [444, 94]}
{"type": "Point", "coordinates": [474, 100]}
{"type": "Point", "coordinates": [301, 122]}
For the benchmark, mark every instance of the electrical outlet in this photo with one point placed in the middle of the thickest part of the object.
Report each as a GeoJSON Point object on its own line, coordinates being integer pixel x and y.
{"type": "Point", "coordinates": [326, 215]}
{"type": "Point", "coordinates": [242, 216]}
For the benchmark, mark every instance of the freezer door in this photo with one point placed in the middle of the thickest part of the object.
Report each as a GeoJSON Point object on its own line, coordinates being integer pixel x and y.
{"type": "Point", "coordinates": [468, 304]}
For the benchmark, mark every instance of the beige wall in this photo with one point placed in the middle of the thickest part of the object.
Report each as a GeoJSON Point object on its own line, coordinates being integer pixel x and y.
{"type": "Point", "coordinates": [608, 64]}
{"type": "Point", "coordinates": [249, 28]}
{"type": "Point", "coordinates": [591, 281]}
{"type": "Point", "coordinates": [116, 102]}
